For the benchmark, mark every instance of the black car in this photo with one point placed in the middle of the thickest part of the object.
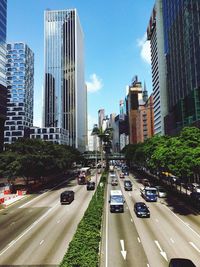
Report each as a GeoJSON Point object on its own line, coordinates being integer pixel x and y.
{"type": "Point", "coordinates": [67, 197]}
{"type": "Point", "coordinates": [90, 186]}
{"type": "Point", "coordinates": [127, 185]}
{"type": "Point", "coordinates": [141, 210]}
{"type": "Point", "coordinates": [179, 262]}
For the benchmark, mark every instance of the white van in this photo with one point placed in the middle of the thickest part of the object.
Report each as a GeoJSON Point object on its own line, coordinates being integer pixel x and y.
{"type": "Point", "coordinates": [116, 201]}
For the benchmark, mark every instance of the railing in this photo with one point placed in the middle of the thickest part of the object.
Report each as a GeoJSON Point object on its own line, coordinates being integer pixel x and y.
{"type": "Point", "coordinates": [110, 156]}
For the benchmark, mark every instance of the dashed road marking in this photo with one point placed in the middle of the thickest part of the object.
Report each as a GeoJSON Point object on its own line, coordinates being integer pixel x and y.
{"type": "Point", "coordinates": [139, 240]}
{"type": "Point", "coordinates": [41, 242]}
{"type": "Point", "coordinates": [171, 239]}
{"type": "Point", "coordinates": [194, 246]}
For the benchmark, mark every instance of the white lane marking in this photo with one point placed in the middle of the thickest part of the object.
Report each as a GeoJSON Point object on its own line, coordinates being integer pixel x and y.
{"type": "Point", "coordinates": [127, 208]}
{"type": "Point", "coordinates": [139, 240]}
{"type": "Point", "coordinates": [41, 242]}
{"type": "Point", "coordinates": [123, 251]}
{"type": "Point", "coordinates": [131, 220]}
{"type": "Point", "coordinates": [194, 246]}
{"type": "Point", "coordinates": [129, 194]}
{"type": "Point", "coordinates": [148, 265]}
{"type": "Point", "coordinates": [58, 221]}
{"type": "Point", "coordinates": [182, 221]}
{"type": "Point", "coordinates": [28, 229]}
{"type": "Point", "coordinates": [171, 239]}
{"type": "Point", "coordinates": [157, 220]}
{"type": "Point", "coordinates": [40, 195]}
{"type": "Point", "coordinates": [163, 254]}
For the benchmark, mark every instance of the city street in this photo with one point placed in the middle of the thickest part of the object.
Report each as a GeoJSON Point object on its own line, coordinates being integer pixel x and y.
{"type": "Point", "coordinates": [37, 231]}
{"type": "Point", "coordinates": [171, 231]}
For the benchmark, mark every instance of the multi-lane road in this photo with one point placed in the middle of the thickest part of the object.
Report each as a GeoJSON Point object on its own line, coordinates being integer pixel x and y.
{"type": "Point", "coordinates": [172, 231]}
{"type": "Point", "coordinates": [36, 231]}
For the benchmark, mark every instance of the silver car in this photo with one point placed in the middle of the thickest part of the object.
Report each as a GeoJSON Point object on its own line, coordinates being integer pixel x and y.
{"type": "Point", "coordinates": [161, 191]}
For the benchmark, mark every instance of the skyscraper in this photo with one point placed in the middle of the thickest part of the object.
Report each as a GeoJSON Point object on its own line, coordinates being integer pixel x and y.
{"type": "Point", "coordinates": [3, 89]}
{"type": "Point", "coordinates": [65, 96]}
{"type": "Point", "coordinates": [182, 49]}
{"type": "Point", "coordinates": [155, 33]}
{"type": "Point", "coordinates": [20, 83]}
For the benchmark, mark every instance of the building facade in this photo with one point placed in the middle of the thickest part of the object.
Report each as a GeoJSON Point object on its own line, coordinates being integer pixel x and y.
{"type": "Point", "coordinates": [50, 134]}
{"type": "Point", "coordinates": [182, 49]}
{"type": "Point", "coordinates": [101, 117]}
{"type": "Point", "coordinates": [145, 120]}
{"type": "Point", "coordinates": [65, 94]}
{"type": "Point", "coordinates": [3, 88]}
{"type": "Point", "coordinates": [155, 33]}
{"type": "Point", "coordinates": [135, 98]}
{"type": "Point", "coordinates": [20, 84]}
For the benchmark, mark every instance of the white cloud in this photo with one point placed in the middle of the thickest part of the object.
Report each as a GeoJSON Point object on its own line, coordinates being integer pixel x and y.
{"type": "Point", "coordinates": [145, 51]}
{"type": "Point", "coordinates": [95, 83]}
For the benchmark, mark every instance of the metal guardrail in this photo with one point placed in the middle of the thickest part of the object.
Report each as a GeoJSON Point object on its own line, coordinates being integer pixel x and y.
{"type": "Point", "coordinates": [110, 156]}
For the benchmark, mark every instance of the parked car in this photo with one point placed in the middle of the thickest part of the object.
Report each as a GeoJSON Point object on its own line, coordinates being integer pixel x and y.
{"type": "Point", "coordinates": [122, 176]}
{"type": "Point", "coordinates": [67, 197]}
{"type": "Point", "coordinates": [180, 262]}
{"type": "Point", "coordinates": [196, 188]}
{"type": "Point", "coordinates": [127, 185]}
{"type": "Point", "coordinates": [161, 191]}
{"type": "Point", "coordinates": [141, 210]}
{"type": "Point", "coordinates": [90, 186]}
{"type": "Point", "coordinates": [114, 182]}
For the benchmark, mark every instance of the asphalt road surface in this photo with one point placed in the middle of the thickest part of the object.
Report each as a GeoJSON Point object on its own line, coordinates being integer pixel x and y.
{"type": "Point", "coordinates": [172, 231]}
{"type": "Point", "coordinates": [37, 231]}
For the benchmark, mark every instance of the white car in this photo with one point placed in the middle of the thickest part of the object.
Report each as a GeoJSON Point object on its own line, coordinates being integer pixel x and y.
{"type": "Point", "coordinates": [161, 191]}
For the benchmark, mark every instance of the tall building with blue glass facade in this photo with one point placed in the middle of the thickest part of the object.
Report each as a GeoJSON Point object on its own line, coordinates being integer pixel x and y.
{"type": "Point", "coordinates": [181, 20]}
{"type": "Point", "coordinates": [3, 89]}
{"type": "Point", "coordinates": [20, 84]}
{"type": "Point", "coordinates": [155, 34]}
{"type": "Point", "coordinates": [65, 97]}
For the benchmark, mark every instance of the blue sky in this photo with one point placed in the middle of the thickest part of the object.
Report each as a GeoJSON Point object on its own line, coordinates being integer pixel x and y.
{"type": "Point", "coordinates": [115, 47]}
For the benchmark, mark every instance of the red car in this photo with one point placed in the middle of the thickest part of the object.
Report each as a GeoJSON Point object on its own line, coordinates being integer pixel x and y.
{"type": "Point", "coordinates": [121, 176]}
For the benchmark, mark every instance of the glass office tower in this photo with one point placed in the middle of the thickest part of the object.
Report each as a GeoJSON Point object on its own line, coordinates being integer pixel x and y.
{"type": "Point", "coordinates": [20, 82]}
{"type": "Point", "coordinates": [182, 49]}
{"type": "Point", "coordinates": [65, 98]}
{"type": "Point", "coordinates": [3, 89]}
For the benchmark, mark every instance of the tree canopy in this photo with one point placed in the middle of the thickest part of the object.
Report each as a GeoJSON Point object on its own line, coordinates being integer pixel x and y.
{"type": "Point", "coordinates": [179, 155]}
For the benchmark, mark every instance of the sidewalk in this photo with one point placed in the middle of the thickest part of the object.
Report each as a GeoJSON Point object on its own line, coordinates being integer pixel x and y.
{"type": "Point", "coordinates": [7, 200]}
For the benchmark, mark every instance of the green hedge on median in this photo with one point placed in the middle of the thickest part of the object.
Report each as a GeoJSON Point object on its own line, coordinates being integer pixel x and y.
{"type": "Point", "coordinates": [83, 250]}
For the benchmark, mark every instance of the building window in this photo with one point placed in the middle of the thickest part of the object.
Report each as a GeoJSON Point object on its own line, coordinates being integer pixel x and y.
{"type": "Point", "coordinates": [44, 130]}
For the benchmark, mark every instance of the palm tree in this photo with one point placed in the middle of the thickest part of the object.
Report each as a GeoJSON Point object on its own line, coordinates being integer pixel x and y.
{"type": "Point", "coordinates": [105, 141]}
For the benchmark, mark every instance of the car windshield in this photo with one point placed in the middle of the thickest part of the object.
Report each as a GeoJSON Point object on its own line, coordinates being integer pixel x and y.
{"type": "Point", "coordinates": [127, 183]}
{"type": "Point", "coordinates": [142, 207]}
{"type": "Point", "coordinates": [116, 199]}
{"type": "Point", "coordinates": [151, 192]}
{"type": "Point", "coordinates": [162, 190]}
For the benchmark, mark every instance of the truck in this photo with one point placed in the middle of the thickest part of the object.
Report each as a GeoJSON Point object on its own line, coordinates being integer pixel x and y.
{"type": "Point", "coordinates": [149, 193]}
{"type": "Point", "coordinates": [116, 201]}
{"type": "Point", "coordinates": [111, 168]}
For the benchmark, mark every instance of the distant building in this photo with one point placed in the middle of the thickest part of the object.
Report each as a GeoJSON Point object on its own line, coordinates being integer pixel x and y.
{"type": "Point", "coordinates": [135, 98]}
{"type": "Point", "coordinates": [20, 84]}
{"type": "Point", "coordinates": [101, 117]}
{"type": "Point", "coordinates": [51, 134]}
{"type": "Point", "coordinates": [155, 33]}
{"type": "Point", "coordinates": [145, 120]}
{"type": "Point", "coordinates": [65, 97]}
{"type": "Point", "coordinates": [3, 88]}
